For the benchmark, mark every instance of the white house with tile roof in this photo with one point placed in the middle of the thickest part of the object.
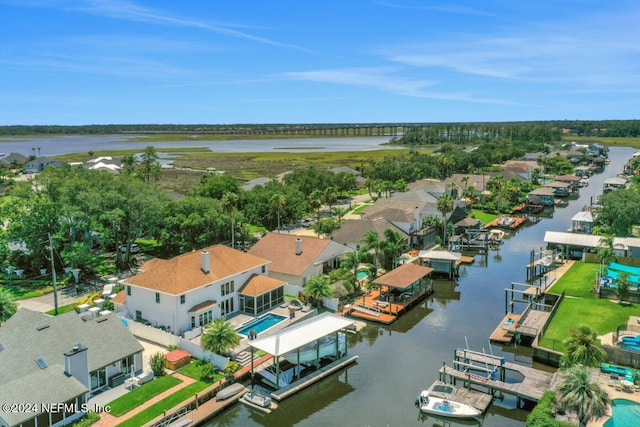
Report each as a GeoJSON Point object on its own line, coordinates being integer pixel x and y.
{"type": "Point", "coordinates": [60, 360]}
{"type": "Point", "coordinates": [295, 259]}
{"type": "Point", "coordinates": [193, 289]}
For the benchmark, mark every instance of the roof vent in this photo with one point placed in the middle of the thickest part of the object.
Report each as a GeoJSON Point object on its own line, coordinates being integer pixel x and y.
{"type": "Point", "coordinates": [101, 319]}
{"type": "Point", "coordinates": [298, 246]}
{"type": "Point", "coordinates": [42, 327]}
{"type": "Point", "coordinates": [40, 361]}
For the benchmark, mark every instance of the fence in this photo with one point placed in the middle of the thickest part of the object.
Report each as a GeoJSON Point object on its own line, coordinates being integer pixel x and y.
{"type": "Point", "coordinates": [608, 293]}
{"type": "Point", "coordinates": [620, 356]}
{"type": "Point", "coordinates": [549, 350]}
{"type": "Point", "coordinates": [166, 339]}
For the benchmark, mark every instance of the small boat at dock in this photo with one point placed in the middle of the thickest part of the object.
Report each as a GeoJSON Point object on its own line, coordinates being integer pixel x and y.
{"type": "Point", "coordinates": [259, 401]}
{"type": "Point", "coordinates": [445, 407]}
{"type": "Point", "coordinates": [230, 391]}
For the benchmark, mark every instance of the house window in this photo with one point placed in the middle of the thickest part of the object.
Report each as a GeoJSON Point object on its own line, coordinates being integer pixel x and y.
{"type": "Point", "coordinates": [205, 318]}
{"type": "Point", "coordinates": [226, 306]}
{"type": "Point", "coordinates": [264, 269]}
{"type": "Point", "coordinates": [193, 322]}
{"type": "Point", "coordinates": [138, 315]}
{"type": "Point", "coordinates": [233, 286]}
{"type": "Point", "coordinates": [158, 297]}
{"type": "Point", "coordinates": [227, 288]}
{"type": "Point", "coordinates": [129, 290]}
{"type": "Point", "coordinates": [182, 299]}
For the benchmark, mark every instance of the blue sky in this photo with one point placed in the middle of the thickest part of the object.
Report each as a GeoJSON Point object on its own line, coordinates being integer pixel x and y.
{"type": "Point", "coordinates": [331, 61]}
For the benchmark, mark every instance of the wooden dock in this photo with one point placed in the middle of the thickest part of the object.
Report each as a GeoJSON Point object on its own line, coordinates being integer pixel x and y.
{"type": "Point", "coordinates": [532, 387]}
{"type": "Point", "coordinates": [505, 331]}
{"type": "Point", "coordinates": [498, 223]}
{"type": "Point", "coordinates": [373, 309]}
{"type": "Point", "coordinates": [477, 399]}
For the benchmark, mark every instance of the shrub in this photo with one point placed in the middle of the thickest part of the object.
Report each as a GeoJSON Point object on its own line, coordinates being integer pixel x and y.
{"type": "Point", "coordinates": [543, 414]}
{"type": "Point", "coordinates": [207, 372]}
{"type": "Point", "coordinates": [157, 364]}
{"type": "Point", "coordinates": [89, 419]}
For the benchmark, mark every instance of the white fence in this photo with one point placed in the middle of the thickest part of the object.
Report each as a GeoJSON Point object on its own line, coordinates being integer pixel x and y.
{"type": "Point", "coordinates": [165, 339]}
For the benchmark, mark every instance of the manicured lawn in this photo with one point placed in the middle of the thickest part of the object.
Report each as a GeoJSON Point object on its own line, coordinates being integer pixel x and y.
{"type": "Point", "coordinates": [602, 315]}
{"type": "Point", "coordinates": [138, 396]}
{"type": "Point", "coordinates": [578, 280]}
{"type": "Point", "coordinates": [194, 369]}
{"type": "Point", "coordinates": [164, 405]}
{"type": "Point", "coordinates": [19, 293]}
{"type": "Point", "coordinates": [359, 209]}
{"type": "Point", "coordinates": [486, 218]}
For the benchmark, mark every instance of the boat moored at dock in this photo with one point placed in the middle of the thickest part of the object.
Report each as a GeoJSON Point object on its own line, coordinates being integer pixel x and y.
{"type": "Point", "coordinates": [445, 407]}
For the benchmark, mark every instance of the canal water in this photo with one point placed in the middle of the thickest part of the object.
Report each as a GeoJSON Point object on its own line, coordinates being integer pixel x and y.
{"type": "Point", "coordinates": [396, 362]}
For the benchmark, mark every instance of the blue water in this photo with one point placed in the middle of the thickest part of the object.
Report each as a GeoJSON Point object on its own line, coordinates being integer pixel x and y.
{"type": "Point", "coordinates": [633, 345]}
{"type": "Point", "coordinates": [625, 414]}
{"type": "Point", "coordinates": [260, 324]}
{"type": "Point", "coordinates": [362, 274]}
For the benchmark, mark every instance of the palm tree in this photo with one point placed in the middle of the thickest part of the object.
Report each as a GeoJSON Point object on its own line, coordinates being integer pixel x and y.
{"type": "Point", "coordinates": [465, 181]}
{"type": "Point", "coordinates": [393, 246]}
{"type": "Point", "coordinates": [317, 288]}
{"type": "Point", "coordinates": [350, 262]}
{"type": "Point", "coordinates": [315, 202]}
{"type": "Point", "coordinates": [340, 213]}
{"type": "Point", "coordinates": [219, 337]}
{"type": "Point", "coordinates": [229, 205]}
{"type": "Point", "coordinates": [445, 205]}
{"type": "Point", "coordinates": [372, 242]}
{"type": "Point", "coordinates": [578, 393]}
{"type": "Point", "coordinates": [622, 286]}
{"type": "Point", "coordinates": [584, 348]}
{"type": "Point", "coordinates": [8, 307]}
{"type": "Point", "coordinates": [278, 202]}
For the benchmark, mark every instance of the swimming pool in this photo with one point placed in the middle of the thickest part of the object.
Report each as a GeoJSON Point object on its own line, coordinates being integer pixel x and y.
{"type": "Point", "coordinates": [630, 343]}
{"type": "Point", "coordinates": [260, 324]}
{"type": "Point", "coordinates": [361, 274]}
{"type": "Point", "coordinates": [625, 413]}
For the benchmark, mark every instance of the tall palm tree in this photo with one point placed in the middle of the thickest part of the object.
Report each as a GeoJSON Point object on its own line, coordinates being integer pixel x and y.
{"type": "Point", "coordinates": [340, 213]}
{"type": "Point", "coordinates": [315, 202]}
{"type": "Point", "coordinates": [372, 243]}
{"type": "Point", "coordinates": [219, 337]}
{"type": "Point", "coordinates": [578, 393]}
{"type": "Point", "coordinates": [230, 204]}
{"type": "Point", "coordinates": [583, 347]}
{"type": "Point", "coordinates": [393, 246]}
{"type": "Point", "coordinates": [350, 262]}
{"type": "Point", "coordinates": [445, 205]}
{"type": "Point", "coordinates": [278, 202]}
{"type": "Point", "coordinates": [317, 288]}
{"type": "Point", "coordinates": [8, 307]}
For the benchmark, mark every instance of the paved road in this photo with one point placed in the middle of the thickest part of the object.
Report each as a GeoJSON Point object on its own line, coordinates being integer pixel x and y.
{"type": "Point", "coordinates": [45, 302]}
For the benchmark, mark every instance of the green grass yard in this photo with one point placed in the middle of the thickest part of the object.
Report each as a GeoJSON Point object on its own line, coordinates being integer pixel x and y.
{"type": "Point", "coordinates": [578, 280]}
{"type": "Point", "coordinates": [601, 315]}
{"type": "Point", "coordinates": [138, 396]}
{"type": "Point", "coordinates": [486, 218]}
{"type": "Point", "coordinates": [165, 404]}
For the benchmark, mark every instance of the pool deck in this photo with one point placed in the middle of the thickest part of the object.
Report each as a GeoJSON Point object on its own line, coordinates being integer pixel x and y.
{"type": "Point", "coordinates": [603, 380]}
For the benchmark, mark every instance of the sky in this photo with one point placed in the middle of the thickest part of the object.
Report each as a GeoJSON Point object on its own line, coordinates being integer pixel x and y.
{"type": "Point", "coordinates": [303, 61]}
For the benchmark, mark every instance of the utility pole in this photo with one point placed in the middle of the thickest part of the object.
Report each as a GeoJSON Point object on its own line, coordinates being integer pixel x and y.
{"type": "Point", "coordinates": [53, 274]}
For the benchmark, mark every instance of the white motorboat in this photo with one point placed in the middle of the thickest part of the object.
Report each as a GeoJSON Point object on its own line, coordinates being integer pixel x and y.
{"type": "Point", "coordinates": [495, 235]}
{"type": "Point", "coordinates": [445, 407]}
{"type": "Point", "coordinates": [310, 352]}
{"type": "Point", "coordinates": [258, 401]}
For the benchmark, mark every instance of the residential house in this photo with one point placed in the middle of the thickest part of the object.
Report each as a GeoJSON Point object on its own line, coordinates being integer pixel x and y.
{"type": "Point", "coordinates": [626, 247]}
{"type": "Point", "coordinates": [37, 165]}
{"type": "Point", "coordinates": [294, 259]}
{"type": "Point", "coordinates": [106, 163]}
{"type": "Point", "coordinates": [61, 360]}
{"type": "Point", "coordinates": [14, 160]}
{"type": "Point", "coordinates": [582, 222]}
{"type": "Point", "coordinates": [560, 189]}
{"type": "Point", "coordinates": [611, 184]}
{"type": "Point", "coordinates": [546, 196]}
{"type": "Point", "coordinates": [193, 289]}
{"type": "Point", "coordinates": [346, 169]}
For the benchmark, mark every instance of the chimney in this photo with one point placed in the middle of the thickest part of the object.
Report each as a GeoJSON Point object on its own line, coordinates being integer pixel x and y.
{"type": "Point", "coordinates": [205, 262]}
{"type": "Point", "coordinates": [298, 246]}
{"type": "Point", "coordinates": [416, 219]}
{"type": "Point", "coordinates": [76, 364]}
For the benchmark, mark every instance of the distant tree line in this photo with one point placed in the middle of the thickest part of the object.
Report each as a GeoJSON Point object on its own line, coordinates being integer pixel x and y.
{"type": "Point", "coordinates": [421, 133]}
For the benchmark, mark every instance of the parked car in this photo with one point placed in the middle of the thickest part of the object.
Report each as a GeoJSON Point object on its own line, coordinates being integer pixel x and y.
{"type": "Point", "coordinates": [307, 222]}
{"type": "Point", "coordinates": [133, 250]}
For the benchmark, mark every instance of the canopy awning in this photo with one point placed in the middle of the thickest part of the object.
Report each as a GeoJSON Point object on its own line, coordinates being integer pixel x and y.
{"type": "Point", "coordinates": [305, 332]}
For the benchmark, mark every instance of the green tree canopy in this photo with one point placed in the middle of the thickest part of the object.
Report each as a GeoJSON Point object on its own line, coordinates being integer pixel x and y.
{"type": "Point", "coordinates": [219, 337]}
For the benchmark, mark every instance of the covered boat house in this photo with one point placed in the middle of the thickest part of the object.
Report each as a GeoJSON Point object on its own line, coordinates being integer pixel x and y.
{"type": "Point", "coordinates": [444, 262]}
{"type": "Point", "coordinates": [303, 354]}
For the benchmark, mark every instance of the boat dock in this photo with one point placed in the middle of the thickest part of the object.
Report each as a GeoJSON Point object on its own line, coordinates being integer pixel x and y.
{"type": "Point", "coordinates": [376, 310]}
{"type": "Point", "coordinates": [510, 222]}
{"type": "Point", "coordinates": [476, 399]}
{"type": "Point", "coordinates": [316, 376]}
{"type": "Point", "coordinates": [535, 382]}
{"type": "Point", "coordinates": [505, 331]}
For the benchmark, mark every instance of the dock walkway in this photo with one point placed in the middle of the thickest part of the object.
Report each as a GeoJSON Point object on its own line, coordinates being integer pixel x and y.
{"type": "Point", "coordinates": [478, 400]}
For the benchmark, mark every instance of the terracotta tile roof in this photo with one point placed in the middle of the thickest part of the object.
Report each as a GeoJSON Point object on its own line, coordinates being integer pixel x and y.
{"type": "Point", "coordinates": [258, 285]}
{"type": "Point", "coordinates": [183, 273]}
{"type": "Point", "coordinates": [403, 276]}
{"type": "Point", "coordinates": [281, 250]}
{"type": "Point", "coordinates": [120, 298]}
